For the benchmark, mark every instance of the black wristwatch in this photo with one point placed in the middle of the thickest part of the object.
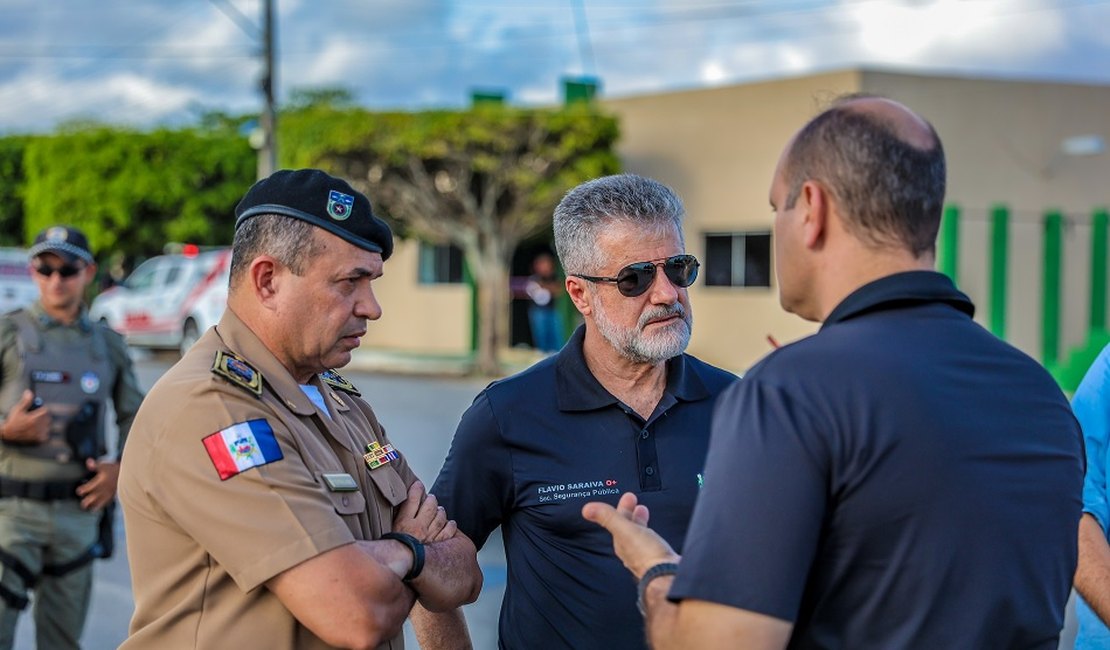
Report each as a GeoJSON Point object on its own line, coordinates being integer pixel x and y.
{"type": "Point", "coordinates": [417, 548]}
{"type": "Point", "coordinates": [659, 570]}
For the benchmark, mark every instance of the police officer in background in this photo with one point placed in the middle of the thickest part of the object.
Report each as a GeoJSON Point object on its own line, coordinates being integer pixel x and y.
{"type": "Point", "coordinates": [58, 371]}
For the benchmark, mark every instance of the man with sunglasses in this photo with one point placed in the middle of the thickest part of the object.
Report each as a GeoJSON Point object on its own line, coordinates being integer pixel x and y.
{"type": "Point", "coordinates": [59, 370]}
{"type": "Point", "coordinates": [619, 408]}
{"type": "Point", "coordinates": [901, 479]}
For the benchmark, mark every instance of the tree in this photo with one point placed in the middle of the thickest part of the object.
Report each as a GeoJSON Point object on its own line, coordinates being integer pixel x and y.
{"type": "Point", "coordinates": [11, 182]}
{"type": "Point", "coordinates": [483, 179]}
{"type": "Point", "coordinates": [132, 191]}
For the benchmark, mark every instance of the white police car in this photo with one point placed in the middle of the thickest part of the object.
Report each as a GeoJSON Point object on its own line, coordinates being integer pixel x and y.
{"type": "Point", "coordinates": [169, 300]}
{"type": "Point", "coordinates": [17, 289]}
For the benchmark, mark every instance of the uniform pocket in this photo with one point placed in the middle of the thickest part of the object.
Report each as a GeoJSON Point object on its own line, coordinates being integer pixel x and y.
{"type": "Point", "coordinates": [390, 484]}
{"type": "Point", "coordinates": [346, 502]}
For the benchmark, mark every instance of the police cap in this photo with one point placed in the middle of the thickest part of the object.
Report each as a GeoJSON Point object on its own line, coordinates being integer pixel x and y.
{"type": "Point", "coordinates": [64, 241]}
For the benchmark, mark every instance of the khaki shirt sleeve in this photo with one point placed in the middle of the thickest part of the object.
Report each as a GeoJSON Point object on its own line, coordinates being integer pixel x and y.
{"type": "Point", "coordinates": [126, 394]}
{"type": "Point", "coordinates": [255, 524]}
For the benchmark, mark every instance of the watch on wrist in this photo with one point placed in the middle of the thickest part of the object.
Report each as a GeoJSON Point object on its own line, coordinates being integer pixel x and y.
{"type": "Point", "coordinates": [659, 570]}
{"type": "Point", "coordinates": [417, 548]}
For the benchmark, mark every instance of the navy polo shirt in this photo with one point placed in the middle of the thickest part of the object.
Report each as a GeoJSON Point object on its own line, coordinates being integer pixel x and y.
{"type": "Point", "coordinates": [901, 479]}
{"type": "Point", "coordinates": [533, 449]}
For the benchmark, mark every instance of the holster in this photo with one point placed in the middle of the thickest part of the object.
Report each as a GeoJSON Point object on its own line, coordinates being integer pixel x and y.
{"type": "Point", "coordinates": [106, 539]}
{"type": "Point", "coordinates": [83, 432]}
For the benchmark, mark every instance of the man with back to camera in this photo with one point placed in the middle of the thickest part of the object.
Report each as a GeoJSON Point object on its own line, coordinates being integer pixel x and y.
{"type": "Point", "coordinates": [620, 407]}
{"type": "Point", "coordinates": [265, 507]}
{"type": "Point", "coordinates": [901, 479]}
{"type": "Point", "coordinates": [59, 369]}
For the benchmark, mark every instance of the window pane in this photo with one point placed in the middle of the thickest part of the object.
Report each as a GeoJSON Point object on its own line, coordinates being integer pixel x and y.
{"type": "Point", "coordinates": [439, 264]}
{"type": "Point", "coordinates": [757, 260]}
{"type": "Point", "coordinates": [718, 260]}
{"type": "Point", "coordinates": [172, 274]}
{"type": "Point", "coordinates": [738, 251]}
{"type": "Point", "coordinates": [455, 265]}
{"type": "Point", "coordinates": [426, 271]}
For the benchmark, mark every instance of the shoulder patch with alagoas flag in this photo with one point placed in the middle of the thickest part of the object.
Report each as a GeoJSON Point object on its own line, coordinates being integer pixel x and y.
{"type": "Point", "coordinates": [242, 446]}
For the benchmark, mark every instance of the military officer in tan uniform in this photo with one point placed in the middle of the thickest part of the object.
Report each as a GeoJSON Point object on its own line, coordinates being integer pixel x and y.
{"type": "Point", "coordinates": [57, 372]}
{"type": "Point", "coordinates": [264, 505]}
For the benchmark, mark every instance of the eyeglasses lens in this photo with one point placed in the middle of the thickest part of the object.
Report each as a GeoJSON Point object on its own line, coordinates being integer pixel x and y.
{"type": "Point", "coordinates": [634, 279]}
{"type": "Point", "coordinates": [682, 270]}
{"type": "Point", "coordinates": [66, 271]}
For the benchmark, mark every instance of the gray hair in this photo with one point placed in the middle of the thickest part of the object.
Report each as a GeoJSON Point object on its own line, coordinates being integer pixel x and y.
{"type": "Point", "coordinates": [889, 190]}
{"type": "Point", "coordinates": [587, 209]}
{"type": "Point", "coordinates": [292, 242]}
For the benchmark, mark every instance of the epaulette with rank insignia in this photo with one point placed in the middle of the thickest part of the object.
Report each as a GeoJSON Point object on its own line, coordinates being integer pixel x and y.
{"type": "Point", "coordinates": [238, 372]}
{"type": "Point", "coordinates": [336, 380]}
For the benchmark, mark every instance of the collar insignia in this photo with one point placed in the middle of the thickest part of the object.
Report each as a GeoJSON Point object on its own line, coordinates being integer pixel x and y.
{"type": "Point", "coordinates": [238, 372]}
{"type": "Point", "coordinates": [335, 380]}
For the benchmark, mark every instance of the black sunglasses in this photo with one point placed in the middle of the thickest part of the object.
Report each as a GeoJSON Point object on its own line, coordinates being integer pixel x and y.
{"type": "Point", "coordinates": [634, 279]}
{"type": "Point", "coordinates": [65, 270]}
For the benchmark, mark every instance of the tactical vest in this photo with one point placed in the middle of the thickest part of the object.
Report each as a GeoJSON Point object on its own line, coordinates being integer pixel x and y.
{"type": "Point", "coordinates": [73, 381]}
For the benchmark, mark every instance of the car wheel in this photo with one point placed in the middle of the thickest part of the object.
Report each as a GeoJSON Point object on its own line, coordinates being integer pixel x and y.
{"type": "Point", "coordinates": [189, 335]}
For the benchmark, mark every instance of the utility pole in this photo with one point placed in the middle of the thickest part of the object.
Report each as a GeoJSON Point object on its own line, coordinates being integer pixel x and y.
{"type": "Point", "coordinates": [267, 153]}
{"type": "Point", "coordinates": [265, 138]}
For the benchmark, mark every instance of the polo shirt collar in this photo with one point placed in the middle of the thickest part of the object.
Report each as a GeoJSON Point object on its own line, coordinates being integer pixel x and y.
{"type": "Point", "coordinates": [901, 290]}
{"type": "Point", "coordinates": [578, 390]}
{"type": "Point", "coordinates": [47, 321]}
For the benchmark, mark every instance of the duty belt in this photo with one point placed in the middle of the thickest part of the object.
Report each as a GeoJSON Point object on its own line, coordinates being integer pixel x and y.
{"type": "Point", "coordinates": [39, 490]}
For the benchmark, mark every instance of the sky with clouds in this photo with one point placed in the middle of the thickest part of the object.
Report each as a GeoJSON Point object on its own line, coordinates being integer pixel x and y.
{"type": "Point", "coordinates": [156, 62]}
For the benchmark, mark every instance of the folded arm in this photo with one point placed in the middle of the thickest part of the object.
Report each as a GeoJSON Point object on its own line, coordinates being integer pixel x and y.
{"type": "Point", "coordinates": [451, 576]}
{"type": "Point", "coordinates": [348, 596]}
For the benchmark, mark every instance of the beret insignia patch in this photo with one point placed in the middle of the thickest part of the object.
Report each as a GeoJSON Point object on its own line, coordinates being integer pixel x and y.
{"type": "Point", "coordinates": [340, 205]}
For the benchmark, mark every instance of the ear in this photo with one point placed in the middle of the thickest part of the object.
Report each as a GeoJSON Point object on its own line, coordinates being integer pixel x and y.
{"type": "Point", "coordinates": [90, 274]}
{"type": "Point", "coordinates": [264, 276]}
{"type": "Point", "coordinates": [815, 221]}
{"type": "Point", "coordinates": [576, 289]}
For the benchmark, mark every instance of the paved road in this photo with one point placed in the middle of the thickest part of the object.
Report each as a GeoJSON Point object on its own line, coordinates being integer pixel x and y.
{"type": "Point", "coordinates": [419, 414]}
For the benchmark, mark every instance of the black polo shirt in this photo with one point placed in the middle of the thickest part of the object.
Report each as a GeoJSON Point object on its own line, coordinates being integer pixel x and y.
{"type": "Point", "coordinates": [902, 479]}
{"type": "Point", "coordinates": [533, 449]}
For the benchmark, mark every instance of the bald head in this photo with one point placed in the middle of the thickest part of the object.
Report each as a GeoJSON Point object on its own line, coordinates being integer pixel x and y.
{"type": "Point", "coordinates": [903, 123]}
{"type": "Point", "coordinates": [883, 165]}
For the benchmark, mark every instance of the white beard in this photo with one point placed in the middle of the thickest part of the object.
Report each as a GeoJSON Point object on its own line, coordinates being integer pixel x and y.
{"type": "Point", "coordinates": [636, 345]}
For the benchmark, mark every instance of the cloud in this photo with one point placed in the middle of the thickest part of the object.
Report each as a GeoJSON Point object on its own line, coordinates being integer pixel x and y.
{"type": "Point", "coordinates": [951, 32]}
{"type": "Point", "coordinates": [155, 62]}
{"type": "Point", "coordinates": [117, 98]}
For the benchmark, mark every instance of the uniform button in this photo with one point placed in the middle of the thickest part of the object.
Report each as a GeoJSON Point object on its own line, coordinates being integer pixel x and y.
{"type": "Point", "coordinates": [644, 434]}
{"type": "Point", "coordinates": [346, 501]}
{"type": "Point", "coordinates": [649, 470]}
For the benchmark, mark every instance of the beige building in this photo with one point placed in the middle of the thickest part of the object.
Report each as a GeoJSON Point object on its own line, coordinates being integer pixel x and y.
{"type": "Point", "coordinates": [1029, 145]}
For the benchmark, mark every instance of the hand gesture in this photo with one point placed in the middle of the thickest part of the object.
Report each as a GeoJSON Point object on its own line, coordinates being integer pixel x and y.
{"type": "Point", "coordinates": [638, 546]}
{"type": "Point", "coordinates": [25, 423]}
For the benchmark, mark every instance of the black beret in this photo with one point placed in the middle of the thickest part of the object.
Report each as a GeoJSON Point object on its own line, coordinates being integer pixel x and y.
{"type": "Point", "coordinates": [322, 200]}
